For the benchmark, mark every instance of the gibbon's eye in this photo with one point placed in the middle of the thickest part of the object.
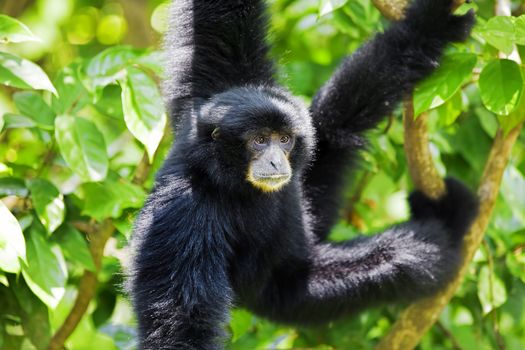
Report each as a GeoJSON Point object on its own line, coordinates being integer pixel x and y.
{"type": "Point", "coordinates": [215, 134]}
{"type": "Point", "coordinates": [285, 139]}
{"type": "Point", "coordinates": [260, 140]}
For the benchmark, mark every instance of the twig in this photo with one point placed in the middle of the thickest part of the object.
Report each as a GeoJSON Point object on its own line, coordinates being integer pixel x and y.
{"type": "Point", "coordinates": [17, 204]}
{"type": "Point", "coordinates": [390, 122]}
{"type": "Point", "coordinates": [87, 287]}
{"type": "Point", "coordinates": [500, 342]}
{"type": "Point", "coordinates": [49, 157]}
{"type": "Point", "coordinates": [86, 227]}
{"type": "Point", "coordinates": [449, 335]}
{"type": "Point", "coordinates": [98, 235]}
{"type": "Point", "coordinates": [356, 196]}
{"type": "Point", "coordinates": [142, 170]}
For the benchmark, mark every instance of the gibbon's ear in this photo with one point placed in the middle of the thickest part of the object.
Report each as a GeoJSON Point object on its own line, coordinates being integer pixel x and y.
{"type": "Point", "coordinates": [216, 133]}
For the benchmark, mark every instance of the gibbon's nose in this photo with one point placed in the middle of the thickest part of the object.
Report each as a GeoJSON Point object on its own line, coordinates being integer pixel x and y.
{"type": "Point", "coordinates": [276, 160]}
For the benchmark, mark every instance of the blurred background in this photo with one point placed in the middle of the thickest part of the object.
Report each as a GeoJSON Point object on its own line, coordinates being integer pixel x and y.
{"type": "Point", "coordinates": [83, 131]}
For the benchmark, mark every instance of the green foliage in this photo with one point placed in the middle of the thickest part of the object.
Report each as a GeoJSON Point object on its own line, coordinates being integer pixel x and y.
{"type": "Point", "coordinates": [143, 113]}
{"type": "Point", "coordinates": [501, 85]}
{"type": "Point", "coordinates": [14, 31]}
{"type": "Point", "coordinates": [453, 72]}
{"type": "Point", "coordinates": [81, 149]}
{"type": "Point", "coordinates": [45, 272]}
{"type": "Point", "coordinates": [12, 243]}
{"type": "Point", "coordinates": [48, 203]}
{"type": "Point", "coordinates": [23, 74]}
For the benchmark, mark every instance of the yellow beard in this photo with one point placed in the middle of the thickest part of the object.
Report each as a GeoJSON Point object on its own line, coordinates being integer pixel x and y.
{"type": "Point", "coordinates": [267, 185]}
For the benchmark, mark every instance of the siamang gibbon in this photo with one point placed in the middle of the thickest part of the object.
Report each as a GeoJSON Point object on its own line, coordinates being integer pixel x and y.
{"type": "Point", "coordinates": [241, 209]}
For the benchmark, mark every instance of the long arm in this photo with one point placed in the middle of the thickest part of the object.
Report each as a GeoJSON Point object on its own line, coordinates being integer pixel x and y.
{"type": "Point", "coordinates": [178, 279]}
{"type": "Point", "coordinates": [406, 262]}
{"type": "Point", "coordinates": [368, 86]}
{"type": "Point", "coordinates": [214, 45]}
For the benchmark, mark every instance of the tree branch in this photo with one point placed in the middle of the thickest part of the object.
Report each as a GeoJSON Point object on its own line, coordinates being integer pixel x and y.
{"type": "Point", "coordinates": [98, 235]}
{"type": "Point", "coordinates": [421, 166]}
{"type": "Point", "coordinates": [391, 9]}
{"type": "Point", "coordinates": [415, 321]}
{"type": "Point", "coordinates": [394, 9]}
{"type": "Point", "coordinates": [87, 287]}
{"type": "Point", "coordinates": [449, 335]}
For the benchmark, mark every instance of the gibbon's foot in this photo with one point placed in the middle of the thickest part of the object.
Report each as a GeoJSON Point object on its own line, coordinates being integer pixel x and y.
{"type": "Point", "coordinates": [457, 208]}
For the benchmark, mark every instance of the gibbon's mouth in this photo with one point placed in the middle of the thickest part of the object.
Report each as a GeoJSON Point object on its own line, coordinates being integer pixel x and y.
{"type": "Point", "coordinates": [271, 176]}
{"type": "Point", "coordinates": [269, 182]}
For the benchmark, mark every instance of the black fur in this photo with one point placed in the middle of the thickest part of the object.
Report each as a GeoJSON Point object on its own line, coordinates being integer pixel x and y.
{"type": "Point", "coordinates": [207, 239]}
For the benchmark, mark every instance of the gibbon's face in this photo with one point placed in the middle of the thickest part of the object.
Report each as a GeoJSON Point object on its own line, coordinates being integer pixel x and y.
{"type": "Point", "coordinates": [269, 168]}
{"type": "Point", "coordinates": [259, 137]}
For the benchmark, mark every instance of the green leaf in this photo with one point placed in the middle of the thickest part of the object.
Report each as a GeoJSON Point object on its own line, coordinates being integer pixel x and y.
{"type": "Point", "coordinates": [328, 6]}
{"type": "Point", "coordinates": [152, 60]}
{"type": "Point", "coordinates": [109, 103]}
{"type": "Point", "coordinates": [515, 263]}
{"type": "Point", "coordinates": [500, 32]}
{"type": "Point", "coordinates": [87, 337]}
{"type": "Point", "coordinates": [5, 170]}
{"type": "Point", "coordinates": [491, 290]}
{"type": "Point", "coordinates": [12, 186]}
{"type": "Point", "coordinates": [241, 322]}
{"type": "Point", "coordinates": [33, 313]}
{"type": "Point", "coordinates": [451, 110]}
{"type": "Point", "coordinates": [345, 25]}
{"type": "Point", "coordinates": [454, 71]}
{"type": "Point", "coordinates": [111, 60]}
{"type": "Point", "coordinates": [501, 85]}
{"type": "Point", "coordinates": [72, 95]}
{"type": "Point", "coordinates": [3, 280]}
{"type": "Point", "coordinates": [75, 247]}
{"type": "Point", "coordinates": [363, 14]}
{"type": "Point", "coordinates": [48, 203]}
{"type": "Point", "coordinates": [14, 31]}
{"type": "Point", "coordinates": [45, 272]}
{"type": "Point", "coordinates": [472, 143]}
{"type": "Point", "coordinates": [110, 198]}
{"type": "Point", "coordinates": [23, 74]}
{"type": "Point", "coordinates": [12, 243]}
{"type": "Point", "coordinates": [143, 109]}
{"type": "Point", "coordinates": [509, 122]}
{"type": "Point", "coordinates": [520, 30]}
{"type": "Point", "coordinates": [17, 121]}
{"type": "Point", "coordinates": [83, 147]}
{"type": "Point", "coordinates": [107, 67]}
{"type": "Point", "coordinates": [32, 105]}
{"type": "Point", "coordinates": [462, 316]}
{"type": "Point", "coordinates": [513, 191]}
{"type": "Point", "coordinates": [488, 121]}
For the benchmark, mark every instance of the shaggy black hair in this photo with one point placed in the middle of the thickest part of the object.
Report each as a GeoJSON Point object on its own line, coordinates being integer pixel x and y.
{"type": "Point", "coordinates": [207, 239]}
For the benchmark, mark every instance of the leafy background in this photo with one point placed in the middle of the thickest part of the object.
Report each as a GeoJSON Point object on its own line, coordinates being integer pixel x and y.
{"type": "Point", "coordinates": [83, 130]}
